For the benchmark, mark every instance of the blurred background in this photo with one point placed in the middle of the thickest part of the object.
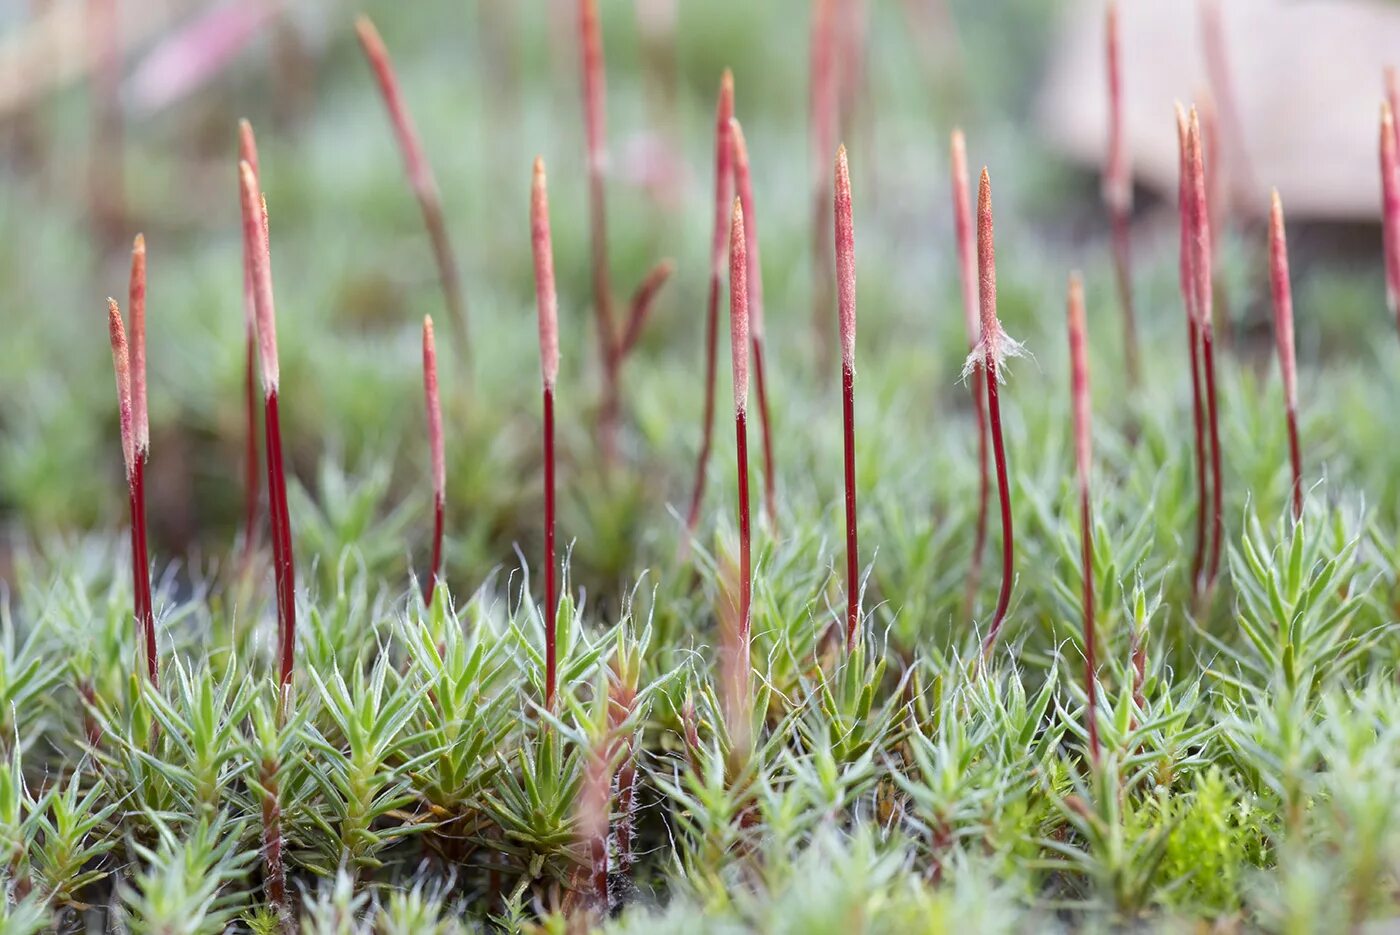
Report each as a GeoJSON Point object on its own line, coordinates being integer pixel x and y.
{"type": "Point", "coordinates": [121, 117]}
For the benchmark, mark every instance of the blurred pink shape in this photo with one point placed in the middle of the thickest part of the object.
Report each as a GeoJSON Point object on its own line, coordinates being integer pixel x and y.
{"type": "Point", "coordinates": [196, 52]}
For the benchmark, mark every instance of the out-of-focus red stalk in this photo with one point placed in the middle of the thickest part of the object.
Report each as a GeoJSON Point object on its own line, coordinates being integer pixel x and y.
{"type": "Point", "coordinates": [1083, 455]}
{"type": "Point", "coordinates": [994, 346]}
{"type": "Point", "coordinates": [140, 571]}
{"type": "Point", "coordinates": [1390, 208]}
{"type": "Point", "coordinates": [433, 406]}
{"type": "Point", "coordinates": [846, 299]}
{"type": "Point", "coordinates": [739, 352]}
{"type": "Point", "coordinates": [547, 308]}
{"type": "Point", "coordinates": [1118, 193]}
{"type": "Point", "coordinates": [1238, 173]}
{"type": "Point", "coordinates": [743, 183]}
{"type": "Point", "coordinates": [1203, 287]}
{"type": "Point", "coordinates": [107, 165]}
{"type": "Point", "coordinates": [967, 268]}
{"type": "Point", "coordinates": [248, 152]}
{"type": "Point", "coordinates": [420, 175]}
{"type": "Point", "coordinates": [1186, 281]}
{"type": "Point", "coordinates": [256, 236]}
{"type": "Point", "coordinates": [1392, 89]}
{"type": "Point", "coordinates": [822, 117]}
{"type": "Point", "coordinates": [724, 186]}
{"type": "Point", "coordinates": [1282, 291]}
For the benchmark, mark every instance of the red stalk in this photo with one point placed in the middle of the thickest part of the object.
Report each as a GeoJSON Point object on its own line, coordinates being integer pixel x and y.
{"type": "Point", "coordinates": [595, 135]}
{"type": "Point", "coordinates": [420, 175]}
{"type": "Point", "coordinates": [1283, 336]}
{"type": "Point", "coordinates": [1083, 454]}
{"type": "Point", "coordinates": [739, 352]}
{"type": "Point", "coordinates": [967, 267]}
{"type": "Point", "coordinates": [248, 152]}
{"type": "Point", "coordinates": [140, 570]}
{"type": "Point", "coordinates": [1186, 278]}
{"type": "Point", "coordinates": [743, 183]}
{"type": "Point", "coordinates": [547, 307]}
{"type": "Point", "coordinates": [846, 297]}
{"type": "Point", "coordinates": [256, 239]}
{"type": "Point", "coordinates": [992, 349]}
{"type": "Point", "coordinates": [823, 104]}
{"type": "Point", "coordinates": [1203, 285]}
{"type": "Point", "coordinates": [1118, 193]}
{"type": "Point", "coordinates": [439, 458]}
{"type": "Point", "coordinates": [1217, 61]}
{"type": "Point", "coordinates": [142, 449]}
{"type": "Point", "coordinates": [724, 182]}
{"type": "Point", "coordinates": [1390, 208]}
{"type": "Point", "coordinates": [107, 166]}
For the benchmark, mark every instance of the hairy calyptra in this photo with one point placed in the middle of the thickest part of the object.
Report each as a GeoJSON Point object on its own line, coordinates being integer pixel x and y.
{"type": "Point", "coordinates": [547, 308]}
{"type": "Point", "coordinates": [967, 269]}
{"type": "Point", "coordinates": [993, 348]}
{"type": "Point", "coordinates": [255, 235]}
{"type": "Point", "coordinates": [1083, 457]}
{"type": "Point", "coordinates": [433, 406]}
{"type": "Point", "coordinates": [846, 304]}
{"type": "Point", "coordinates": [420, 175]}
{"type": "Point", "coordinates": [1282, 292]}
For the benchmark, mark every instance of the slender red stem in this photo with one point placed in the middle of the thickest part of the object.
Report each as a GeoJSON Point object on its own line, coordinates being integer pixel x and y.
{"type": "Point", "coordinates": [1282, 291]}
{"type": "Point", "coordinates": [743, 183]}
{"type": "Point", "coordinates": [994, 345]}
{"type": "Point", "coordinates": [1187, 283]}
{"type": "Point", "coordinates": [551, 586]}
{"type": "Point", "coordinates": [256, 240]}
{"type": "Point", "coordinates": [248, 152]}
{"type": "Point", "coordinates": [1118, 193]}
{"type": "Point", "coordinates": [967, 268]}
{"type": "Point", "coordinates": [1217, 507]}
{"type": "Point", "coordinates": [724, 184]}
{"type": "Point", "coordinates": [739, 353]}
{"type": "Point", "coordinates": [846, 298]}
{"type": "Point", "coordinates": [547, 308]}
{"type": "Point", "coordinates": [141, 444]}
{"type": "Point", "coordinates": [142, 568]}
{"type": "Point", "coordinates": [1218, 73]}
{"type": "Point", "coordinates": [1079, 392]}
{"type": "Point", "coordinates": [438, 456]}
{"type": "Point", "coordinates": [1390, 207]}
{"type": "Point", "coordinates": [1198, 423]}
{"type": "Point", "coordinates": [420, 175]}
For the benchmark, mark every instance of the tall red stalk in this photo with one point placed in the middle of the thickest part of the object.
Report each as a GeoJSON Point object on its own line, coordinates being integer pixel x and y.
{"type": "Point", "coordinates": [433, 405]}
{"type": "Point", "coordinates": [140, 572]}
{"type": "Point", "coordinates": [1118, 193]}
{"type": "Point", "coordinates": [1083, 455]}
{"type": "Point", "coordinates": [248, 152]}
{"type": "Point", "coordinates": [1390, 208]}
{"type": "Point", "coordinates": [967, 268]}
{"type": "Point", "coordinates": [547, 307]}
{"type": "Point", "coordinates": [420, 175]}
{"type": "Point", "coordinates": [992, 350]}
{"type": "Point", "coordinates": [256, 237]}
{"type": "Point", "coordinates": [141, 428]}
{"type": "Point", "coordinates": [1283, 336]}
{"type": "Point", "coordinates": [613, 345]}
{"type": "Point", "coordinates": [1186, 281]}
{"type": "Point", "coordinates": [846, 300]}
{"type": "Point", "coordinates": [1237, 171]}
{"type": "Point", "coordinates": [743, 183]}
{"type": "Point", "coordinates": [739, 351]}
{"type": "Point", "coordinates": [724, 186]}
{"type": "Point", "coordinates": [823, 106]}
{"type": "Point", "coordinates": [1203, 288]}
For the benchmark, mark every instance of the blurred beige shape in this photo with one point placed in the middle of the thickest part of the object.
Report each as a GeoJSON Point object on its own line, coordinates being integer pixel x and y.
{"type": "Point", "coordinates": [1307, 76]}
